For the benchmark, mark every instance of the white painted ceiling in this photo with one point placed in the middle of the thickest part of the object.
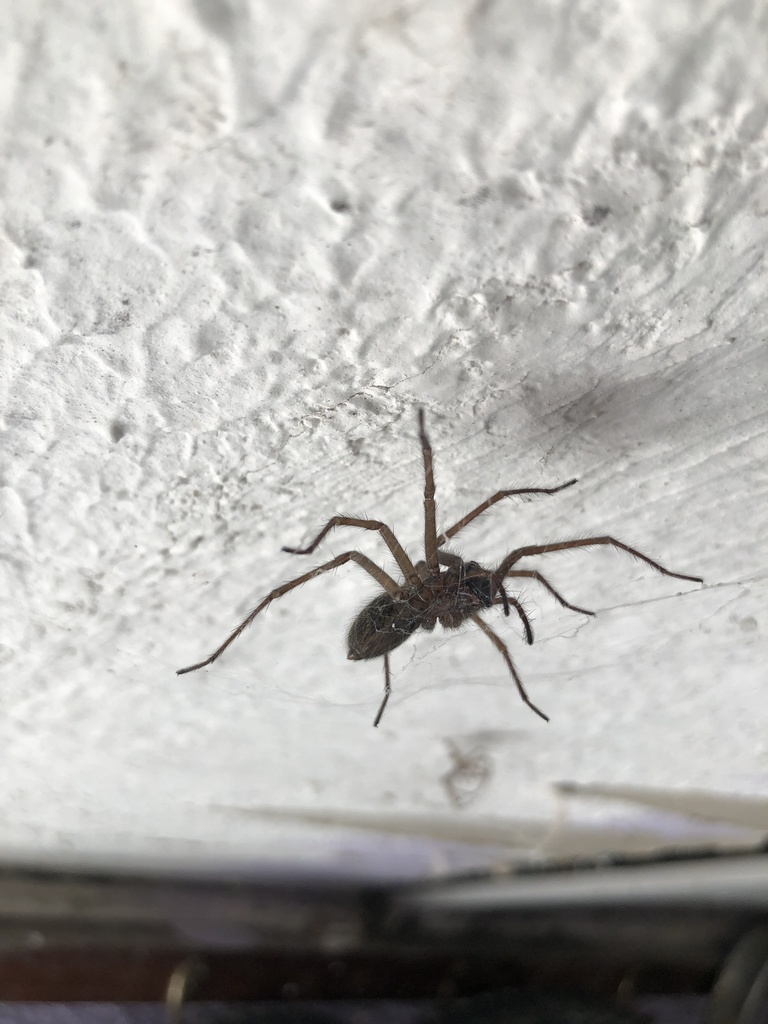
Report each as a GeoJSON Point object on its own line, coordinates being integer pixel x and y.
{"type": "Point", "coordinates": [241, 244]}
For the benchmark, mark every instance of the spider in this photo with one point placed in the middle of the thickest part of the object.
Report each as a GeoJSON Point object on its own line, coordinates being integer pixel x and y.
{"type": "Point", "coordinates": [442, 588]}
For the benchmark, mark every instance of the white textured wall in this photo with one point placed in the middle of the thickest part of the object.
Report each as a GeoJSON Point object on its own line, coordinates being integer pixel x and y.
{"type": "Point", "coordinates": [241, 242]}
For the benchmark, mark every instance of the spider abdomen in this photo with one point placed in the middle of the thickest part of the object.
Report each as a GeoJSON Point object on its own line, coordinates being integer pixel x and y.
{"type": "Point", "coordinates": [381, 626]}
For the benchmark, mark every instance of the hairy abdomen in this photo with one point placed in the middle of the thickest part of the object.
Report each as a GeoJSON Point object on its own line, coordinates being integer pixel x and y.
{"type": "Point", "coordinates": [381, 627]}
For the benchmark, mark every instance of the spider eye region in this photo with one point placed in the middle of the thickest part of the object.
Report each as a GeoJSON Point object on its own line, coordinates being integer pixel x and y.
{"type": "Point", "coordinates": [380, 627]}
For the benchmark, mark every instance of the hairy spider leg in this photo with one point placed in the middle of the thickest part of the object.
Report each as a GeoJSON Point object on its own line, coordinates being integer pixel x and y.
{"type": "Point", "coordinates": [531, 574]}
{"type": "Point", "coordinates": [585, 542]}
{"type": "Point", "coordinates": [422, 570]}
{"type": "Point", "coordinates": [523, 616]}
{"type": "Point", "coordinates": [447, 558]}
{"type": "Point", "coordinates": [394, 545]}
{"type": "Point", "coordinates": [502, 648]}
{"type": "Point", "coordinates": [467, 519]}
{"type": "Point", "coordinates": [430, 529]}
{"type": "Point", "coordinates": [387, 691]}
{"type": "Point", "coordinates": [349, 556]}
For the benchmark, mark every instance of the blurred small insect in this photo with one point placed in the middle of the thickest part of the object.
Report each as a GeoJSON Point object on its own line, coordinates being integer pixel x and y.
{"type": "Point", "coordinates": [442, 588]}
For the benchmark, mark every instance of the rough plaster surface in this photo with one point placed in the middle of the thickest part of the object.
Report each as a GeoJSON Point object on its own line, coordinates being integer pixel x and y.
{"type": "Point", "coordinates": [241, 243]}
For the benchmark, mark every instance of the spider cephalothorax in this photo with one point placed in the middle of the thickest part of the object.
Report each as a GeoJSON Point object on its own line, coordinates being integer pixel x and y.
{"type": "Point", "coordinates": [443, 588]}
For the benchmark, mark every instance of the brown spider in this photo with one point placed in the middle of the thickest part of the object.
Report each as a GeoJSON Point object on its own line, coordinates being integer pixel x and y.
{"type": "Point", "coordinates": [430, 594]}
